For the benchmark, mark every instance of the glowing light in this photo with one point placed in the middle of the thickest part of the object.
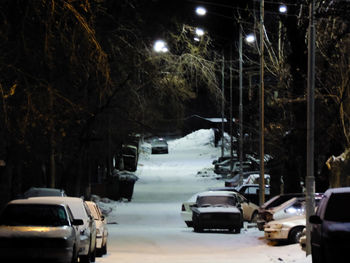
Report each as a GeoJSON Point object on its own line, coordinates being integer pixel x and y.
{"type": "Point", "coordinates": [250, 38]}
{"type": "Point", "coordinates": [283, 9]}
{"type": "Point", "coordinates": [160, 46]}
{"type": "Point", "coordinates": [201, 11]}
{"type": "Point", "coordinates": [199, 32]}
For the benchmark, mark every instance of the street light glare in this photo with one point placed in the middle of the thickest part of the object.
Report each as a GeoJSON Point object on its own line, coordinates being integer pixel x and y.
{"type": "Point", "coordinates": [283, 9]}
{"type": "Point", "coordinates": [199, 32]}
{"type": "Point", "coordinates": [160, 46]}
{"type": "Point", "coordinates": [201, 11]}
{"type": "Point", "coordinates": [250, 38]}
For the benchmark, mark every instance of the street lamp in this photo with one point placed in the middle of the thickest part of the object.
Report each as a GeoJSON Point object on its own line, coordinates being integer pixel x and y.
{"type": "Point", "coordinates": [160, 46]}
{"type": "Point", "coordinates": [283, 9]}
{"type": "Point", "coordinates": [201, 11]}
{"type": "Point", "coordinates": [250, 38]}
{"type": "Point", "coordinates": [199, 32]}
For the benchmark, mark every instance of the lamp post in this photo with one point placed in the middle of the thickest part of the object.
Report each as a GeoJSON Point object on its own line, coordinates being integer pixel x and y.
{"type": "Point", "coordinates": [160, 46]}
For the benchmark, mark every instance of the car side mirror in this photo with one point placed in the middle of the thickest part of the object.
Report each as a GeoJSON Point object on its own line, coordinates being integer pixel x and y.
{"type": "Point", "coordinates": [78, 222]}
{"type": "Point", "coordinates": [314, 219]}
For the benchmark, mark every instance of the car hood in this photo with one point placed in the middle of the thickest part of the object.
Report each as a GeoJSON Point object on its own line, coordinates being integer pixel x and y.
{"type": "Point", "coordinates": [218, 209]}
{"type": "Point", "coordinates": [34, 231]}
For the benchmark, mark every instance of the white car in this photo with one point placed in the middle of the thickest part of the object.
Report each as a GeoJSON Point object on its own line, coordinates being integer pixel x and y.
{"type": "Point", "coordinates": [87, 247]}
{"type": "Point", "coordinates": [249, 209]}
{"type": "Point", "coordinates": [101, 228]}
{"type": "Point", "coordinates": [289, 229]}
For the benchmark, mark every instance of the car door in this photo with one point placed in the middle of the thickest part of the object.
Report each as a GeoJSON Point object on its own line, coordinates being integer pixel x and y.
{"type": "Point", "coordinates": [246, 208]}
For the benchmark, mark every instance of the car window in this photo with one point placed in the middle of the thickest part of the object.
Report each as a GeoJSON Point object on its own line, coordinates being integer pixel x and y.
{"type": "Point", "coordinates": [216, 200]}
{"type": "Point", "coordinates": [34, 215]}
{"type": "Point", "coordinates": [297, 208]}
{"type": "Point", "coordinates": [337, 208]}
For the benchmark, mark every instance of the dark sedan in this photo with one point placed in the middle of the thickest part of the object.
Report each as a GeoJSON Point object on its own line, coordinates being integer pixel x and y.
{"type": "Point", "coordinates": [38, 231]}
{"type": "Point", "coordinates": [216, 210]}
{"type": "Point", "coordinates": [159, 146]}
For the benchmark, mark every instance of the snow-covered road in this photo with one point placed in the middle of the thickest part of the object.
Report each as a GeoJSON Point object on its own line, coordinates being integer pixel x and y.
{"type": "Point", "coordinates": [150, 229]}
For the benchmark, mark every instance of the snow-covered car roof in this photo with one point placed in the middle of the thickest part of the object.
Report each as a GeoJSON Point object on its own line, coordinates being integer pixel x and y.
{"type": "Point", "coordinates": [39, 200]}
{"type": "Point", "coordinates": [216, 193]}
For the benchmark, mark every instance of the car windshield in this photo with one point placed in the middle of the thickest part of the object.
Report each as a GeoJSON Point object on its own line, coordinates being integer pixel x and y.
{"type": "Point", "coordinates": [215, 200]}
{"type": "Point", "coordinates": [337, 208]}
{"type": "Point", "coordinates": [34, 215]}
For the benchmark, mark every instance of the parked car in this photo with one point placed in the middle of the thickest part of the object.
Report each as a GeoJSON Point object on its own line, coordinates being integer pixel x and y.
{"type": "Point", "coordinates": [292, 207]}
{"type": "Point", "coordinates": [288, 229]}
{"type": "Point", "coordinates": [263, 212]}
{"type": "Point", "coordinates": [38, 230]}
{"type": "Point", "coordinates": [249, 209]}
{"type": "Point", "coordinates": [101, 228]}
{"type": "Point", "coordinates": [330, 227]}
{"type": "Point", "coordinates": [159, 145]}
{"type": "Point", "coordinates": [224, 158]}
{"type": "Point", "coordinates": [234, 181]}
{"type": "Point", "coordinates": [251, 192]}
{"type": "Point", "coordinates": [87, 244]}
{"type": "Point", "coordinates": [42, 191]}
{"type": "Point", "coordinates": [224, 167]}
{"type": "Point", "coordinates": [216, 210]}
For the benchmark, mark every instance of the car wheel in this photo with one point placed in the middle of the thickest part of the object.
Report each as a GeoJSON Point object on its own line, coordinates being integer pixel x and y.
{"type": "Point", "coordinates": [197, 229]}
{"type": "Point", "coordinates": [295, 234]}
{"type": "Point", "coordinates": [85, 259]}
{"type": "Point", "coordinates": [93, 255]}
{"type": "Point", "coordinates": [254, 217]}
{"type": "Point", "coordinates": [237, 230]}
{"type": "Point", "coordinates": [74, 256]}
{"type": "Point", "coordinates": [104, 249]}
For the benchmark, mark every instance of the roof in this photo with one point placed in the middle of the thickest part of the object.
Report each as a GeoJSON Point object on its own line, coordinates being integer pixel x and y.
{"type": "Point", "coordinates": [338, 190]}
{"type": "Point", "coordinates": [216, 193]}
{"type": "Point", "coordinates": [38, 200]}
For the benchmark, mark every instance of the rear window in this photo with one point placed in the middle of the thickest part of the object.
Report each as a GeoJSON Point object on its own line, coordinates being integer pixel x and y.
{"type": "Point", "coordinates": [216, 200]}
{"type": "Point", "coordinates": [34, 215]}
{"type": "Point", "coordinates": [337, 208]}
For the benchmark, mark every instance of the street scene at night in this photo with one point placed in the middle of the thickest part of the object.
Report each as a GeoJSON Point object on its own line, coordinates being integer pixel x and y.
{"type": "Point", "coordinates": [174, 131]}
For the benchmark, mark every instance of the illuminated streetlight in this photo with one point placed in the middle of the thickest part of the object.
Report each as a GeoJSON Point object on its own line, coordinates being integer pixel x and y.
{"type": "Point", "coordinates": [250, 38]}
{"type": "Point", "coordinates": [201, 11]}
{"type": "Point", "coordinates": [283, 9]}
{"type": "Point", "coordinates": [199, 32]}
{"type": "Point", "coordinates": [160, 46]}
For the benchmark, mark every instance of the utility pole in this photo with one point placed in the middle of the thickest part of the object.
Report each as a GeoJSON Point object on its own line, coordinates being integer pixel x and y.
{"type": "Point", "coordinates": [310, 178]}
{"type": "Point", "coordinates": [240, 107]}
{"type": "Point", "coordinates": [222, 104]}
{"type": "Point", "coordinates": [231, 115]}
{"type": "Point", "coordinates": [261, 107]}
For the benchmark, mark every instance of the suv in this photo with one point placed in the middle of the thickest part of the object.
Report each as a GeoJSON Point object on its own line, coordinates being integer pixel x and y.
{"type": "Point", "coordinates": [330, 229]}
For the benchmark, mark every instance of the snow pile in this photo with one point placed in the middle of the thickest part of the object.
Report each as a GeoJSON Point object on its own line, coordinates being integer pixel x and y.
{"type": "Point", "coordinates": [200, 138]}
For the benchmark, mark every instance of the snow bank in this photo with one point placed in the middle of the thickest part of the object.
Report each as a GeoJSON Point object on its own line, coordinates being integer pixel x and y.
{"type": "Point", "coordinates": [200, 138]}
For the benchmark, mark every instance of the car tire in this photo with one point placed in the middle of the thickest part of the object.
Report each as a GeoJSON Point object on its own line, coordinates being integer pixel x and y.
{"type": "Point", "coordinates": [74, 256]}
{"type": "Point", "coordinates": [237, 230]}
{"type": "Point", "coordinates": [93, 255]}
{"type": "Point", "coordinates": [295, 234]}
{"type": "Point", "coordinates": [189, 223]}
{"type": "Point", "coordinates": [197, 229]}
{"type": "Point", "coordinates": [104, 249]}
{"type": "Point", "coordinates": [85, 259]}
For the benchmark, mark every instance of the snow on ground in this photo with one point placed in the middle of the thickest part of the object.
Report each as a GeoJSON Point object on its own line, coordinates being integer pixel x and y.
{"type": "Point", "coordinates": [150, 229]}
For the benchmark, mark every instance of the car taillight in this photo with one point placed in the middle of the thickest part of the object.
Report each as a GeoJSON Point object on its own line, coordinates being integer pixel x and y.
{"type": "Point", "coordinates": [183, 208]}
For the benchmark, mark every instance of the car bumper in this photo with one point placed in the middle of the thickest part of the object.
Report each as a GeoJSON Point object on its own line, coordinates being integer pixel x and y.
{"type": "Point", "coordinates": [37, 254]}
{"type": "Point", "coordinates": [186, 216]}
{"type": "Point", "coordinates": [276, 234]}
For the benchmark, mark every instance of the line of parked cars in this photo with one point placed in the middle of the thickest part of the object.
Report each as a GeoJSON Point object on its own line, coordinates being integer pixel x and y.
{"type": "Point", "coordinates": [48, 226]}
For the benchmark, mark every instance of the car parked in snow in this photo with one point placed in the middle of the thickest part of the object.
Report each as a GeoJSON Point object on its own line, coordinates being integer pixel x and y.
{"type": "Point", "coordinates": [38, 229]}
{"type": "Point", "coordinates": [224, 168]}
{"type": "Point", "coordinates": [87, 244]}
{"type": "Point", "coordinates": [101, 228]}
{"type": "Point", "coordinates": [217, 210]}
{"type": "Point", "coordinates": [264, 214]}
{"type": "Point", "coordinates": [292, 207]}
{"type": "Point", "coordinates": [288, 229]}
{"type": "Point", "coordinates": [251, 192]}
{"type": "Point", "coordinates": [159, 145]}
{"type": "Point", "coordinates": [249, 209]}
{"type": "Point", "coordinates": [330, 227]}
{"type": "Point", "coordinates": [42, 191]}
